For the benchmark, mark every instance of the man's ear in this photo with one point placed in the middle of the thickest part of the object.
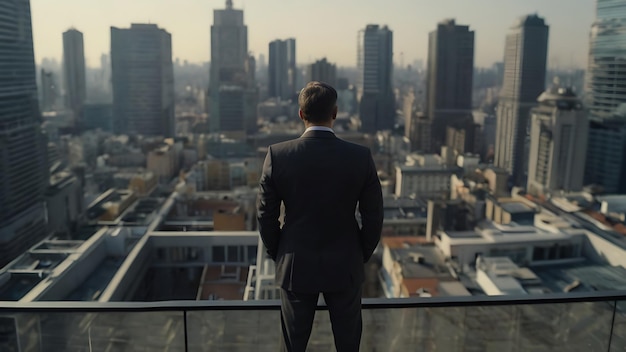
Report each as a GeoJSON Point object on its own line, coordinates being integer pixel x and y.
{"type": "Point", "coordinates": [301, 115]}
{"type": "Point", "coordinates": [335, 110]}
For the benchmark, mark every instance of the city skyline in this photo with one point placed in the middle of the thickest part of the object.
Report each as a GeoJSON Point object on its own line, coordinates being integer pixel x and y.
{"type": "Point", "coordinates": [410, 20]}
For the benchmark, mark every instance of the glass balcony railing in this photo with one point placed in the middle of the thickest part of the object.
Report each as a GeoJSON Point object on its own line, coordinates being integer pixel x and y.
{"type": "Point", "coordinates": [562, 322]}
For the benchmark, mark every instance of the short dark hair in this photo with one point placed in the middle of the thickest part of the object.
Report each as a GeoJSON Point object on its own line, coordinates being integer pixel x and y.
{"type": "Point", "coordinates": [317, 101]}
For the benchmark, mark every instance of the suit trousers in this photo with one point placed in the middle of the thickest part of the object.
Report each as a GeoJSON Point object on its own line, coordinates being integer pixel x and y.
{"type": "Point", "coordinates": [298, 311]}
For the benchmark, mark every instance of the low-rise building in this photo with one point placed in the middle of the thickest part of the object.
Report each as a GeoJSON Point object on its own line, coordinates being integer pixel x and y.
{"type": "Point", "coordinates": [163, 162]}
{"type": "Point", "coordinates": [525, 235]}
{"type": "Point", "coordinates": [425, 176]}
{"type": "Point", "coordinates": [413, 269]}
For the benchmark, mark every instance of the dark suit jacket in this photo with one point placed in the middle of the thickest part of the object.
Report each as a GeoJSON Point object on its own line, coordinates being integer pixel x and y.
{"type": "Point", "coordinates": [320, 179]}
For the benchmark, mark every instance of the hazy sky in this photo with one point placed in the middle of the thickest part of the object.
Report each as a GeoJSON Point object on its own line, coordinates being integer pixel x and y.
{"type": "Point", "coordinates": [322, 28]}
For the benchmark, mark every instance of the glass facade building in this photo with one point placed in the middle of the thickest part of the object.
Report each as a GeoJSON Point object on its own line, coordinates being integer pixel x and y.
{"type": "Point", "coordinates": [22, 164]}
{"type": "Point", "coordinates": [525, 58]}
{"type": "Point", "coordinates": [143, 80]}
{"type": "Point", "coordinates": [606, 74]}
{"type": "Point", "coordinates": [375, 61]}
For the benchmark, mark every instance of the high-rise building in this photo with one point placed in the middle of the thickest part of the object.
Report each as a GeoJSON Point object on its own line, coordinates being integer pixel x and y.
{"type": "Point", "coordinates": [462, 139]}
{"type": "Point", "coordinates": [558, 143]}
{"type": "Point", "coordinates": [23, 167]}
{"type": "Point", "coordinates": [323, 71]}
{"type": "Point", "coordinates": [375, 61]}
{"type": "Point", "coordinates": [232, 89]}
{"type": "Point", "coordinates": [606, 74]}
{"type": "Point", "coordinates": [449, 78]}
{"type": "Point", "coordinates": [49, 91]}
{"type": "Point", "coordinates": [98, 116]}
{"type": "Point", "coordinates": [606, 154]}
{"type": "Point", "coordinates": [74, 74]}
{"type": "Point", "coordinates": [282, 71]}
{"type": "Point", "coordinates": [143, 80]}
{"type": "Point", "coordinates": [525, 55]}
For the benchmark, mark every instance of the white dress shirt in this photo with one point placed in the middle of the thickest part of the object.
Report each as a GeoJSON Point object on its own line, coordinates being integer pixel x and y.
{"type": "Point", "coordinates": [319, 128]}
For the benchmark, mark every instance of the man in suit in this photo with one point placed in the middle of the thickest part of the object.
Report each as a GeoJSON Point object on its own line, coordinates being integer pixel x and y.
{"type": "Point", "coordinates": [320, 248]}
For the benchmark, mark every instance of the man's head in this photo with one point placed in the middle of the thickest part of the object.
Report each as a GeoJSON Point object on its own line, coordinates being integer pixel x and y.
{"type": "Point", "coordinates": [318, 103]}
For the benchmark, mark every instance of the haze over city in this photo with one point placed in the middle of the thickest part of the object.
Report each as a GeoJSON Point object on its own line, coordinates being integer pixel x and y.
{"type": "Point", "coordinates": [176, 174]}
{"type": "Point", "coordinates": [322, 28]}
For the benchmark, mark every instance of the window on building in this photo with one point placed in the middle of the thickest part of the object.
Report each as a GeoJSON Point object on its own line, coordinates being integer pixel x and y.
{"type": "Point", "coordinates": [160, 253]}
{"type": "Point", "coordinates": [553, 252]}
{"type": "Point", "coordinates": [233, 254]}
{"type": "Point", "coordinates": [219, 254]}
{"type": "Point", "coordinates": [539, 253]}
{"type": "Point", "coordinates": [251, 255]}
{"type": "Point", "coordinates": [566, 251]}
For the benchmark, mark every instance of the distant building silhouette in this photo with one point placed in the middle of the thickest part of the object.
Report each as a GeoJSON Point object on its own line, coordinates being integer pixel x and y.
{"type": "Point", "coordinates": [74, 74]}
{"type": "Point", "coordinates": [98, 116]}
{"type": "Point", "coordinates": [23, 167]}
{"type": "Point", "coordinates": [233, 95]}
{"type": "Point", "coordinates": [323, 71]}
{"type": "Point", "coordinates": [450, 73]}
{"type": "Point", "coordinates": [525, 56]}
{"type": "Point", "coordinates": [375, 61]}
{"type": "Point", "coordinates": [606, 74]}
{"type": "Point", "coordinates": [558, 142]}
{"type": "Point", "coordinates": [143, 80]}
{"type": "Point", "coordinates": [282, 71]}
{"type": "Point", "coordinates": [49, 91]}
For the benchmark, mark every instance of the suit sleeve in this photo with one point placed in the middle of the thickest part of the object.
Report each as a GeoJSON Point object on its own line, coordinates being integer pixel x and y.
{"type": "Point", "coordinates": [371, 209]}
{"type": "Point", "coordinates": [268, 208]}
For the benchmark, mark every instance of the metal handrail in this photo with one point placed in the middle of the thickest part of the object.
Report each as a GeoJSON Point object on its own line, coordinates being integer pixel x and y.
{"type": "Point", "coordinates": [368, 303]}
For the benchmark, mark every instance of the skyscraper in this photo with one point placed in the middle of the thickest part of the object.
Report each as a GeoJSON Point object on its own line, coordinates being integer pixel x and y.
{"type": "Point", "coordinates": [606, 74]}
{"type": "Point", "coordinates": [282, 69]}
{"type": "Point", "coordinates": [525, 55]}
{"type": "Point", "coordinates": [558, 143]}
{"type": "Point", "coordinates": [449, 78]}
{"type": "Point", "coordinates": [606, 154]}
{"type": "Point", "coordinates": [74, 74]}
{"type": "Point", "coordinates": [23, 169]}
{"type": "Point", "coordinates": [143, 80]}
{"type": "Point", "coordinates": [49, 91]}
{"type": "Point", "coordinates": [323, 71]}
{"type": "Point", "coordinates": [232, 88]}
{"type": "Point", "coordinates": [375, 62]}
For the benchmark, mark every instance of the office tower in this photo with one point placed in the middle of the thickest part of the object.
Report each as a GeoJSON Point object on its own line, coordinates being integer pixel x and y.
{"type": "Point", "coordinates": [375, 61]}
{"type": "Point", "coordinates": [232, 89]}
{"type": "Point", "coordinates": [558, 143]}
{"type": "Point", "coordinates": [408, 111]}
{"type": "Point", "coordinates": [98, 116]}
{"type": "Point", "coordinates": [143, 80]}
{"type": "Point", "coordinates": [49, 91]}
{"type": "Point", "coordinates": [449, 78]}
{"type": "Point", "coordinates": [323, 71]}
{"type": "Point", "coordinates": [606, 74]}
{"type": "Point", "coordinates": [282, 69]}
{"type": "Point", "coordinates": [488, 138]}
{"type": "Point", "coordinates": [74, 74]}
{"type": "Point", "coordinates": [23, 169]}
{"type": "Point", "coordinates": [525, 55]}
{"type": "Point", "coordinates": [346, 96]}
{"type": "Point", "coordinates": [464, 138]}
{"type": "Point", "coordinates": [606, 154]}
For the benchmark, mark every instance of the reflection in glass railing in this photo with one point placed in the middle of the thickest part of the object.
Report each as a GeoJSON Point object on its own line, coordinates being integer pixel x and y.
{"type": "Point", "coordinates": [574, 326]}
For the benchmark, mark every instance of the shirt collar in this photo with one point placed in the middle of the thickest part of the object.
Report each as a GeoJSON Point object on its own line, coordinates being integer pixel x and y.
{"type": "Point", "coordinates": [319, 128]}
